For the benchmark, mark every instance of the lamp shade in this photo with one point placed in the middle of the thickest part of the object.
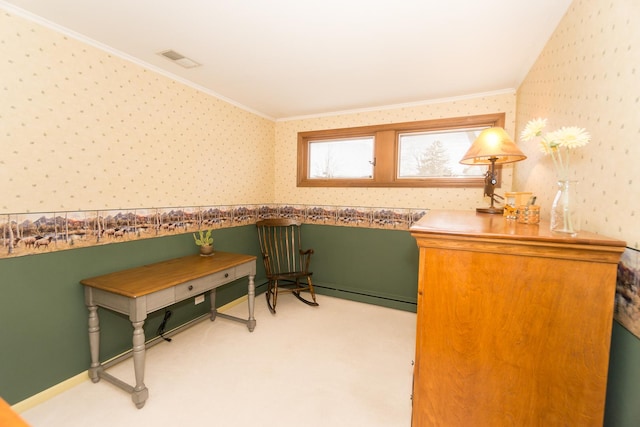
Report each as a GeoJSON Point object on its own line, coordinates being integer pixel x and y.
{"type": "Point", "coordinates": [492, 144]}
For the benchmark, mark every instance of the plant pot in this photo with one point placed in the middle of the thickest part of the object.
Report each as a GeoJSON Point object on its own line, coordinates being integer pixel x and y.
{"type": "Point", "coordinates": [206, 250]}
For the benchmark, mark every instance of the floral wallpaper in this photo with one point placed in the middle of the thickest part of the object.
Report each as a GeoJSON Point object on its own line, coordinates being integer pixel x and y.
{"type": "Point", "coordinates": [82, 129]}
{"type": "Point", "coordinates": [587, 76]}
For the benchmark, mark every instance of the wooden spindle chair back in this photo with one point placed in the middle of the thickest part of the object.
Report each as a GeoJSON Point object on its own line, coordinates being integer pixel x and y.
{"type": "Point", "coordinates": [285, 262]}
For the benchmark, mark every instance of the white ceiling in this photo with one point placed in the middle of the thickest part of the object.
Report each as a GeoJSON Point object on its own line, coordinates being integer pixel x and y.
{"type": "Point", "coordinates": [292, 58]}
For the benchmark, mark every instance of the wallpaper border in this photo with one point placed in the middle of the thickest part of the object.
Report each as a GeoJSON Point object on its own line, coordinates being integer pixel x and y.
{"type": "Point", "coordinates": [36, 233]}
{"type": "Point", "coordinates": [627, 299]}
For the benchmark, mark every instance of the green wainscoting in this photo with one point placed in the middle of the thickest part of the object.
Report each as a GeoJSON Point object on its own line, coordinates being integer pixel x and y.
{"type": "Point", "coordinates": [367, 265]}
{"type": "Point", "coordinates": [43, 320]}
{"type": "Point", "coordinates": [622, 408]}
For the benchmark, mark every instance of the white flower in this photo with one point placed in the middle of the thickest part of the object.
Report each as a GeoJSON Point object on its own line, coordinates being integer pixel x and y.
{"type": "Point", "coordinates": [553, 139]}
{"type": "Point", "coordinates": [544, 147]}
{"type": "Point", "coordinates": [533, 129]}
{"type": "Point", "coordinates": [572, 137]}
{"type": "Point", "coordinates": [556, 143]}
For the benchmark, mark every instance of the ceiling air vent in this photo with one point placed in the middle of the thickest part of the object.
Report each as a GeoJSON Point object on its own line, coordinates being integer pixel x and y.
{"type": "Point", "coordinates": [179, 59]}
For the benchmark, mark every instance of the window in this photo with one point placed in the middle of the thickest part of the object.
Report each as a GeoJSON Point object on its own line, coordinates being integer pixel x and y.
{"type": "Point", "coordinates": [341, 158]}
{"type": "Point", "coordinates": [437, 154]}
{"type": "Point", "coordinates": [414, 154]}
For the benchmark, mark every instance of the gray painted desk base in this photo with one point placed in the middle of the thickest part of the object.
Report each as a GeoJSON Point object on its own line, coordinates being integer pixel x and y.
{"type": "Point", "coordinates": [138, 308]}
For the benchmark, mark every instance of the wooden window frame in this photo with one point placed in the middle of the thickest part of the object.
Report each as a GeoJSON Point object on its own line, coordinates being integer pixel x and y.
{"type": "Point", "coordinates": [386, 153]}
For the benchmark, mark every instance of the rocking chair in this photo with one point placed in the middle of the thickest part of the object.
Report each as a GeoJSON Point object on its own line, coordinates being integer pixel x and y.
{"type": "Point", "coordinates": [286, 265]}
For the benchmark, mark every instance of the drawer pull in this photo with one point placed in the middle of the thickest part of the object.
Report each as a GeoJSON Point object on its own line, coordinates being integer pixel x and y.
{"type": "Point", "coordinates": [226, 275]}
{"type": "Point", "coordinates": [190, 287]}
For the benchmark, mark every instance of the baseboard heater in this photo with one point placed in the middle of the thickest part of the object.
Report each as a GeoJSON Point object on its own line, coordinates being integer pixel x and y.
{"type": "Point", "coordinates": [384, 301]}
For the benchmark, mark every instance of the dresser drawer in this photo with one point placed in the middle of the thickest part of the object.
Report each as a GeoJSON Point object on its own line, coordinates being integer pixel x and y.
{"type": "Point", "coordinates": [198, 286]}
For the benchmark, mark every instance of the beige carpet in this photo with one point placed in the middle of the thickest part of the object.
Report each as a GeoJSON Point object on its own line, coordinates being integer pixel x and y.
{"type": "Point", "coordinates": [340, 364]}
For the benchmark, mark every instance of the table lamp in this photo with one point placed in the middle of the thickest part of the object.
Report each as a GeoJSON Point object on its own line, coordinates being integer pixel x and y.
{"type": "Point", "coordinates": [493, 146]}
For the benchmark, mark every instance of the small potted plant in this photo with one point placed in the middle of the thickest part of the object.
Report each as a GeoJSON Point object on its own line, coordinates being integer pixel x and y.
{"type": "Point", "coordinates": [205, 241]}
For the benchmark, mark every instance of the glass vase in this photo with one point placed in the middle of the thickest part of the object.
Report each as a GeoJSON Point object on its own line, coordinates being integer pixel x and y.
{"type": "Point", "coordinates": [565, 216]}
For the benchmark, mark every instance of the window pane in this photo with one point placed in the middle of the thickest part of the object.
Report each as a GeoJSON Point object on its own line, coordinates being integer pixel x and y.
{"type": "Point", "coordinates": [341, 158]}
{"type": "Point", "coordinates": [437, 154]}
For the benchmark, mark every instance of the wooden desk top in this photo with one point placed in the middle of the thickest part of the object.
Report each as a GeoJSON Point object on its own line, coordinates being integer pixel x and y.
{"type": "Point", "coordinates": [140, 281]}
{"type": "Point", "coordinates": [473, 224]}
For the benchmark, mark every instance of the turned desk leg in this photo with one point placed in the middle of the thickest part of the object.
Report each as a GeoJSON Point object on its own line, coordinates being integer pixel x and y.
{"type": "Point", "coordinates": [140, 392]}
{"type": "Point", "coordinates": [212, 299]}
{"type": "Point", "coordinates": [94, 343]}
{"type": "Point", "coordinates": [251, 323]}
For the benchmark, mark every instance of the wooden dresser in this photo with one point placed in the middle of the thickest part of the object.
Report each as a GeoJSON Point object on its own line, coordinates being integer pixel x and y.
{"type": "Point", "coordinates": [514, 323]}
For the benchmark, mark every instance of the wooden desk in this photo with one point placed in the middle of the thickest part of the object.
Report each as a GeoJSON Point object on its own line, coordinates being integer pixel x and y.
{"type": "Point", "coordinates": [139, 291]}
{"type": "Point", "coordinates": [514, 322]}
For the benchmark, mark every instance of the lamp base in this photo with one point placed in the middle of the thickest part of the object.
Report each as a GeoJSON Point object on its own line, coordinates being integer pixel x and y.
{"type": "Point", "coordinates": [490, 210]}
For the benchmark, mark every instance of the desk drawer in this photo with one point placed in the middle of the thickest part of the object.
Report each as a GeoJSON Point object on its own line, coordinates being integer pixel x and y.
{"type": "Point", "coordinates": [203, 284]}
